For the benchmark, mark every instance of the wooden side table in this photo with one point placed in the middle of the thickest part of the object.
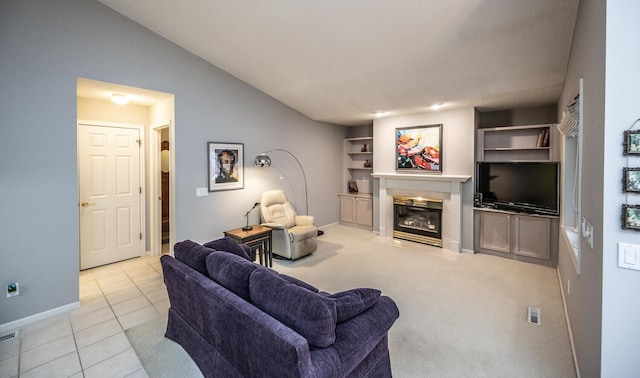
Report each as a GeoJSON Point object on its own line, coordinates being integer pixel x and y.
{"type": "Point", "coordinates": [258, 239]}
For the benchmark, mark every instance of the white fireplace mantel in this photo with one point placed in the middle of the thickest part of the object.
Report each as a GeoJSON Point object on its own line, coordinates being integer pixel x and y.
{"type": "Point", "coordinates": [448, 185]}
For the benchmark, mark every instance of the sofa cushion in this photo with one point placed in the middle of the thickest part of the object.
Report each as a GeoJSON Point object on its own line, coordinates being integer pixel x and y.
{"type": "Point", "coordinates": [297, 282]}
{"type": "Point", "coordinates": [192, 254]}
{"type": "Point", "coordinates": [227, 244]}
{"type": "Point", "coordinates": [232, 272]}
{"type": "Point", "coordinates": [311, 315]}
{"type": "Point", "coordinates": [354, 302]}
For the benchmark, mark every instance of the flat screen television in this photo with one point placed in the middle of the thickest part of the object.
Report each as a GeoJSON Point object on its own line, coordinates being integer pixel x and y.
{"type": "Point", "coordinates": [530, 187]}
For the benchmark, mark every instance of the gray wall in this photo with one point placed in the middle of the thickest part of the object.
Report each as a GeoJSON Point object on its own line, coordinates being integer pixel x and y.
{"type": "Point", "coordinates": [44, 47]}
{"type": "Point", "coordinates": [584, 303]}
{"type": "Point", "coordinates": [603, 305]}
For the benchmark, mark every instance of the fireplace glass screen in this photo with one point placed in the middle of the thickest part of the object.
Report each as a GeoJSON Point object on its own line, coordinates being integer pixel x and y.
{"type": "Point", "coordinates": [418, 220]}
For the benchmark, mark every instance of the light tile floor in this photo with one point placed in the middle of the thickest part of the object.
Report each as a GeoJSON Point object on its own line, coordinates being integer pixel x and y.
{"type": "Point", "coordinates": [90, 341]}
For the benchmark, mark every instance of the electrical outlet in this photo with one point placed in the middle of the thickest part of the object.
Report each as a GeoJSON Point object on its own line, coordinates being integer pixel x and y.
{"type": "Point", "coordinates": [202, 192]}
{"type": "Point", "coordinates": [13, 289]}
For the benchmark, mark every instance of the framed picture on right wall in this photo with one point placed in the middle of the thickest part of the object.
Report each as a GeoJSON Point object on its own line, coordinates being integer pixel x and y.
{"type": "Point", "coordinates": [631, 217]}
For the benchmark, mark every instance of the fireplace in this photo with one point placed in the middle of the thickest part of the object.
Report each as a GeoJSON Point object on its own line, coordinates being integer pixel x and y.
{"type": "Point", "coordinates": [418, 219]}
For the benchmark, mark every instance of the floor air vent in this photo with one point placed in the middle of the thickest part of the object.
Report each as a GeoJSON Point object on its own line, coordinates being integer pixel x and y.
{"type": "Point", "coordinates": [8, 336]}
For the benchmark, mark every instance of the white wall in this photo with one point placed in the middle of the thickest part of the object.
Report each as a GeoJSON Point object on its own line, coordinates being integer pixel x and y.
{"type": "Point", "coordinates": [620, 287]}
{"type": "Point", "coordinates": [457, 151]}
{"type": "Point", "coordinates": [45, 47]}
{"type": "Point", "coordinates": [107, 111]}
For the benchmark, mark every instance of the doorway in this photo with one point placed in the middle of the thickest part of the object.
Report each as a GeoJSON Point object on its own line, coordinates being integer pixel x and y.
{"type": "Point", "coordinates": [155, 110]}
{"type": "Point", "coordinates": [165, 197]}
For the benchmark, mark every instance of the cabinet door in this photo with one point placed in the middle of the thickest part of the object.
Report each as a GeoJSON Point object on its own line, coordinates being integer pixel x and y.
{"type": "Point", "coordinates": [495, 232]}
{"type": "Point", "coordinates": [532, 237]}
{"type": "Point", "coordinates": [347, 209]}
{"type": "Point", "coordinates": [364, 211]}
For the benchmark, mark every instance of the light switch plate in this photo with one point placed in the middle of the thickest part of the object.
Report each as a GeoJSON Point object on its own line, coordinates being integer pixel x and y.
{"type": "Point", "coordinates": [629, 256]}
{"type": "Point", "coordinates": [533, 315]}
{"type": "Point", "coordinates": [202, 192]}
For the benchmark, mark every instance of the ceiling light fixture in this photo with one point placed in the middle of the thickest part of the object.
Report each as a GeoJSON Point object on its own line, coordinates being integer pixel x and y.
{"type": "Point", "coordinates": [120, 99]}
{"type": "Point", "coordinates": [380, 114]}
{"type": "Point", "coordinates": [437, 106]}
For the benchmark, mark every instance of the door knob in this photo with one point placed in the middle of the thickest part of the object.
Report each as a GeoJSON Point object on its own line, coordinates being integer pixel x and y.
{"type": "Point", "coordinates": [87, 204]}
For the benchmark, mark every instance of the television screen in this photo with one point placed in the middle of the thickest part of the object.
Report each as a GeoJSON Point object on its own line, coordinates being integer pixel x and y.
{"type": "Point", "coordinates": [526, 186]}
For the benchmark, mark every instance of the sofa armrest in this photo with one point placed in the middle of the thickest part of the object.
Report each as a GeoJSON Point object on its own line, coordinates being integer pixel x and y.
{"type": "Point", "coordinates": [305, 220]}
{"type": "Point", "coordinates": [275, 226]}
{"type": "Point", "coordinates": [360, 334]}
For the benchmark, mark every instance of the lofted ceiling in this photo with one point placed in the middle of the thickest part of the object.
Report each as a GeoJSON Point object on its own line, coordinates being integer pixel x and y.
{"type": "Point", "coordinates": [341, 61]}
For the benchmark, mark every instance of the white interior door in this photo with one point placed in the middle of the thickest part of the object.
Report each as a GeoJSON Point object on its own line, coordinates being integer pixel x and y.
{"type": "Point", "coordinates": [110, 194]}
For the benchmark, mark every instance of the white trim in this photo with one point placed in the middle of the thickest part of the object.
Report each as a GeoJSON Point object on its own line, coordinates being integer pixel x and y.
{"type": "Point", "coordinates": [38, 317]}
{"type": "Point", "coordinates": [423, 177]}
{"type": "Point", "coordinates": [445, 187]}
{"type": "Point", "coordinates": [566, 317]}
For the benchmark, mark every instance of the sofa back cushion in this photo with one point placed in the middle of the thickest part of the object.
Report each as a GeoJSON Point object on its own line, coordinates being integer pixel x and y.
{"type": "Point", "coordinates": [192, 254]}
{"type": "Point", "coordinates": [227, 244]}
{"type": "Point", "coordinates": [232, 272]}
{"type": "Point", "coordinates": [311, 315]}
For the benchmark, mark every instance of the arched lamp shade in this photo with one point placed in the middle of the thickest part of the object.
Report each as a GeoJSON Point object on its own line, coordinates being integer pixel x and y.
{"type": "Point", "coordinates": [262, 160]}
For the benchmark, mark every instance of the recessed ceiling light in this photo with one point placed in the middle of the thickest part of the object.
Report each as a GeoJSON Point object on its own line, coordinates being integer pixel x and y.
{"type": "Point", "coordinates": [437, 106]}
{"type": "Point", "coordinates": [119, 98]}
{"type": "Point", "coordinates": [380, 114]}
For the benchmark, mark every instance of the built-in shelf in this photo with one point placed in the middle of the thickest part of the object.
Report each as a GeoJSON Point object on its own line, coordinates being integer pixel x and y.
{"type": "Point", "coordinates": [356, 208]}
{"type": "Point", "coordinates": [512, 143]}
{"type": "Point", "coordinates": [525, 237]}
{"type": "Point", "coordinates": [354, 160]}
{"type": "Point", "coordinates": [515, 149]}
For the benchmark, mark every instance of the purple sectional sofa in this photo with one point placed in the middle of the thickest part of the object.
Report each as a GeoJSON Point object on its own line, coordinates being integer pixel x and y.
{"type": "Point", "coordinates": [240, 319]}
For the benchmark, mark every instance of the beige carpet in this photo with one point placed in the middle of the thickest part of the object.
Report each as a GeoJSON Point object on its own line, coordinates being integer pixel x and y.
{"type": "Point", "coordinates": [461, 315]}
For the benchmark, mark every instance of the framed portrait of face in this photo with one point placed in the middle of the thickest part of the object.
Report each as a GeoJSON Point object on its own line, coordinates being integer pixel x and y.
{"type": "Point", "coordinates": [225, 166]}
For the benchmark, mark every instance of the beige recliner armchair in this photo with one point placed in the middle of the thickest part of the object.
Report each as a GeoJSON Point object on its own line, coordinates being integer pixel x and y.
{"type": "Point", "coordinates": [293, 236]}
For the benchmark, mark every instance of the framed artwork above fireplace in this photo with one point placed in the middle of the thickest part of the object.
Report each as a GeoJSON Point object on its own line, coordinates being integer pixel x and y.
{"type": "Point", "coordinates": [419, 148]}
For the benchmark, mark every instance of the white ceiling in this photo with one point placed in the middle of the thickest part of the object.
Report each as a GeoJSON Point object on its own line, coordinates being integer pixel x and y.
{"type": "Point", "coordinates": [340, 61]}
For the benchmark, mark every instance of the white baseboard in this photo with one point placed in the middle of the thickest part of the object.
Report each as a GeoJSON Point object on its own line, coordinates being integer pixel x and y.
{"type": "Point", "coordinates": [38, 317]}
{"type": "Point", "coordinates": [566, 316]}
{"type": "Point", "coordinates": [328, 225]}
{"type": "Point", "coordinates": [464, 250]}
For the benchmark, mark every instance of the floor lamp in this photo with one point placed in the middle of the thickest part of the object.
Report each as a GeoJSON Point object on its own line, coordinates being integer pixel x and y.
{"type": "Point", "coordinates": [263, 160]}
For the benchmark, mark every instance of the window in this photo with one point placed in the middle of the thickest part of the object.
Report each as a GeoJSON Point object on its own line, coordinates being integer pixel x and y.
{"type": "Point", "coordinates": [571, 129]}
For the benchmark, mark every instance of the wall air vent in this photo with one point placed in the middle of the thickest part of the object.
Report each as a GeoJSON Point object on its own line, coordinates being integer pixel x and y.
{"type": "Point", "coordinates": [8, 336]}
